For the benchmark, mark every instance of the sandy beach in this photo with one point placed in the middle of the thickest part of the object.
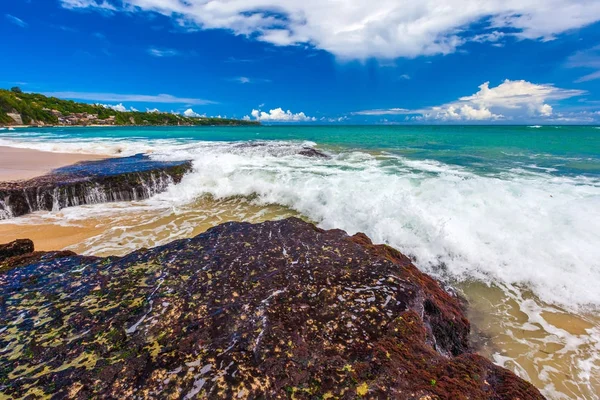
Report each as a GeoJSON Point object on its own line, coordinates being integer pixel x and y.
{"type": "Point", "coordinates": [20, 164]}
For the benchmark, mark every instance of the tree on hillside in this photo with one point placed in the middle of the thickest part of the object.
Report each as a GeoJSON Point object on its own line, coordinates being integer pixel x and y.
{"type": "Point", "coordinates": [16, 89]}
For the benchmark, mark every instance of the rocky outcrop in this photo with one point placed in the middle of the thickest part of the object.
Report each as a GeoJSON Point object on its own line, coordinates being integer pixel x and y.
{"type": "Point", "coordinates": [15, 248]}
{"type": "Point", "coordinates": [117, 179]}
{"type": "Point", "coordinates": [21, 253]}
{"type": "Point", "coordinates": [16, 117]}
{"type": "Point", "coordinates": [312, 152]}
{"type": "Point", "coordinates": [278, 150]}
{"type": "Point", "coordinates": [273, 310]}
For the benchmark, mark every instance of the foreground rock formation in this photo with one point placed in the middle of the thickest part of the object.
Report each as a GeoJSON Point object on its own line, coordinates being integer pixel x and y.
{"type": "Point", "coordinates": [117, 179]}
{"type": "Point", "coordinates": [21, 252]}
{"type": "Point", "coordinates": [273, 310]}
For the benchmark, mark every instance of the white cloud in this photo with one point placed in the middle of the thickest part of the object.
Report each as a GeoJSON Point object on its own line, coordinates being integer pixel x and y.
{"type": "Point", "coordinates": [245, 79]}
{"type": "Point", "coordinates": [117, 107]}
{"type": "Point", "coordinates": [362, 29]}
{"type": "Point", "coordinates": [509, 100]}
{"type": "Point", "coordinates": [278, 115]}
{"type": "Point", "coordinates": [140, 98]}
{"type": "Point", "coordinates": [102, 5]}
{"type": "Point", "coordinates": [155, 52]}
{"type": "Point", "coordinates": [153, 110]}
{"type": "Point", "coordinates": [16, 21]}
{"type": "Point", "coordinates": [589, 59]}
{"type": "Point", "coordinates": [192, 114]}
{"type": "Point", "coordinates": [335, 119]}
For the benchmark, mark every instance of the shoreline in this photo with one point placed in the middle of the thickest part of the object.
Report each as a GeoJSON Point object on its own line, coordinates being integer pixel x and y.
{"type": "Point", "coordinates": [18, 164]}
{"type": "Point", "coordinates": [66, 126]}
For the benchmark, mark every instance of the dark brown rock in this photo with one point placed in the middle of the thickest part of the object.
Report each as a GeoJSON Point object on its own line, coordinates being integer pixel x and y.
{"type": "Point", "coordinates": [273, 310]}
{"type": "Point", "coordinates": [116, 179]}
{"type": "Point", "coordinates": [15, 248]}
{"type": "Point", "coordinates": [312, 152]}
{"type": "Point", "coordinates": [32, 258]}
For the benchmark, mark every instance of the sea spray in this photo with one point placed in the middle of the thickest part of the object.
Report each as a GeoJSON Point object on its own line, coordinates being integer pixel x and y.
{"type": "Point", "coordinates": [528, 227]}
{"type": "Point", "coordinates": [55, 192]}
{"type": "Point", "coordinates": [535, 230]}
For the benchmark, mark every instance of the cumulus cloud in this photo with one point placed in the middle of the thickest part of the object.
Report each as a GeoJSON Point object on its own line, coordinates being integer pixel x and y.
{"type": "Point", "coordinates": [139, 98]}
{"type": "Point", "coordinates": [361, 29]}
{"type": "Point", "coordinates": [278, 115]}
{"type": "Point", "coordinates": [509, 100]}
{"type": "Point", "coordinates": [192, 114]}
{"type": "Point", "coordinates": [117, 107]}
{"type": "Point", "coordinates": [16, 21]}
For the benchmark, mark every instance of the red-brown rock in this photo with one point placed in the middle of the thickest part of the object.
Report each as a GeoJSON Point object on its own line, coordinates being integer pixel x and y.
{"type": "Point", "coordinates": [268, 311]}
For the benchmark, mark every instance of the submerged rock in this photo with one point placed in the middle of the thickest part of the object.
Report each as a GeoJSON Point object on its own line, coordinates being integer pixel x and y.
{"type": "Point", "coordinates": [115, 179]}
{"type": "Point", "coordinates": [273, 310]}
{"type": "Point", "coordinates": [312, 152]}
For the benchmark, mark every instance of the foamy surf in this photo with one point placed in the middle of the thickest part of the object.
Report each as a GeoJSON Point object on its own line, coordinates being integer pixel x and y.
{"type": "Point", "coordinates": [523, 227]}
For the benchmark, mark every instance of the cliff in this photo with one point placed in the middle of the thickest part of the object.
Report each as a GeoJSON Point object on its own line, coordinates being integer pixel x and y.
{"type": "Point", "coordinates": [274, 310]}
{"type": "Point", "coordinates": [18, 108]}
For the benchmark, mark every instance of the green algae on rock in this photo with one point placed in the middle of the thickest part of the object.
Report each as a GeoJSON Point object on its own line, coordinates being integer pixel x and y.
{"type": "Point", "coordinates": [280, 309]}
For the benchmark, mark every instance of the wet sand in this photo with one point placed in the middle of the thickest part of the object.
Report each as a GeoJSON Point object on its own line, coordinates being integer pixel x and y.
{"type": "Point", "coordinates": [120, 228]}
{"type": "Point", "coordinates": [555, 349]}
{"type": "Point", "coordinates": [19, 164]}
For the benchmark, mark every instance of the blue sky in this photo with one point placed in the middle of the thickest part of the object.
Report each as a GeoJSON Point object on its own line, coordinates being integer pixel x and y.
{"type": "Point", "coordinates": [417, 61]}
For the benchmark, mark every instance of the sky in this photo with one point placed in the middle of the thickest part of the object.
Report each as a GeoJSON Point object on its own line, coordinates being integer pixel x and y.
{"type": "Point", "coordinates": [314, 61]}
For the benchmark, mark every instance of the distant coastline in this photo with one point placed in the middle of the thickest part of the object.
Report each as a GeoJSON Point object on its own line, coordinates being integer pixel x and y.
{"type": "Point", "coordinates": [19, 109]}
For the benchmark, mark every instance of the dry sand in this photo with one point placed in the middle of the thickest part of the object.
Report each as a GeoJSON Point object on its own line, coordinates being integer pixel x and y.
{"type": "Point", "coordinates": [19, 164]}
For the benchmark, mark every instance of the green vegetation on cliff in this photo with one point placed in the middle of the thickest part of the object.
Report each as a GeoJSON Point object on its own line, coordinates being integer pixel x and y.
{"type": "Point", "coordinates": [37, 109]}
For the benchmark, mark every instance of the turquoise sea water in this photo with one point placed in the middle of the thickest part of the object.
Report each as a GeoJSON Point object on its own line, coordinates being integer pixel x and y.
{"type": "Point", "coordinates": [561, 150]}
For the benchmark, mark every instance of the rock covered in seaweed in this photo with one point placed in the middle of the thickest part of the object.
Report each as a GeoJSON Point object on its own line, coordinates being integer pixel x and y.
{"type": "Point", "coordinates": [273, 310]}
{"type": "Point", "coordinates": [114, 179]}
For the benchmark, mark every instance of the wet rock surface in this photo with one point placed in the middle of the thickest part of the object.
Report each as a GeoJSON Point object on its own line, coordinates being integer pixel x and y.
{"type": "Point", "coordinates": [15, 248]}
{"type": "Point", "coordinates": [21, 252]}
{"type": "Point", "coordinates": [116, 179]}
{"type": "Point", "coordinates": [278, 149]}
{"type": "Point", "coordinates": [273, 310]}
{"type": "Point", "coordinates": [312, 152]}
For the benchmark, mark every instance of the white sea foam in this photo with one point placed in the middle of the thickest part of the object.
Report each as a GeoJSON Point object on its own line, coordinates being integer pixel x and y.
{"type": "Point", "coordinates": [519, 227]}
{"type": "Point", "coordinates": [538, 230]}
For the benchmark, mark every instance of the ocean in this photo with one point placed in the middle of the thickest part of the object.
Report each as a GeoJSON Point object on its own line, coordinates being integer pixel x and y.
{"type": "Point", "coordinates": [508, 215]}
